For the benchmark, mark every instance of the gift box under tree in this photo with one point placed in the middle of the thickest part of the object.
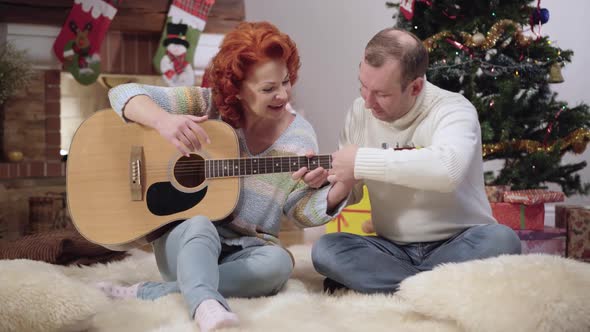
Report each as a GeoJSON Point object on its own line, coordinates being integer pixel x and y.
{"type": "Point", "coordinates": [520, 216]}
{"type": "Point", "coordinates": [524, 209]}
{"type": "Point", "coordinates": [533, 196]}
{"type": "Point", "coordinates": [352, 217]}
{"type": "Point", "coordinates": [550, 240]}
{"type": "Point", "coordinates": [576, 220]}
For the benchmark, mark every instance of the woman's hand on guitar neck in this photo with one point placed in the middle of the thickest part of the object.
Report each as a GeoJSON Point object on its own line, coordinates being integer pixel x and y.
{"type": "Point", "coordinates": [315, 178]}
{"type": "Point", "coordinates": [183, 131]}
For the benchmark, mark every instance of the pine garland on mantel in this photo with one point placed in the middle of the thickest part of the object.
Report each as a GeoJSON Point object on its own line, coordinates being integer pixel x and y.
{"type": "Point", "coordinates": [15, 70]}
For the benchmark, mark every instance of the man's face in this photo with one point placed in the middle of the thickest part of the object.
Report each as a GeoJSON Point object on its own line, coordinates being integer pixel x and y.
{"type": "Point", "coordinates": [381, 88]}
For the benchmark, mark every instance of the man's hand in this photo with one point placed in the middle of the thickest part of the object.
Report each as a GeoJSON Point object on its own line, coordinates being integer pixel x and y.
{"type": "Point", "coordinates": [368, 227]}
{"type": "Point", "coordinates": [343, 165]}
{"type": "Point", "coordinates": [183, 131]}
{"type": "Point", "coordinates": [315, 178]}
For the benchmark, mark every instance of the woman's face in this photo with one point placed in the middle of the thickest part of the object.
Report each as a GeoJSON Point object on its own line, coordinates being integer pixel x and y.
{"type": "Point", "coordinates": [266, 90]}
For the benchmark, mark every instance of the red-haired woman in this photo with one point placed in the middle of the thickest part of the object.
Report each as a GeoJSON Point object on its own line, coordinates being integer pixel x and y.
{"type": "Point", "coordinates": [251, 79]}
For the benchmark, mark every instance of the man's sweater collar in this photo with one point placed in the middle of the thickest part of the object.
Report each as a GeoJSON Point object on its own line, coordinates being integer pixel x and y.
{"type": "Point", "coordinates": [416, 110]}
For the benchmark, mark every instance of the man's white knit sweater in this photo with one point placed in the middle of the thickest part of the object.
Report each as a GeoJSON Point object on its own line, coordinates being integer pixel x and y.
{"type": "Point", "coordinates": [429, 193]}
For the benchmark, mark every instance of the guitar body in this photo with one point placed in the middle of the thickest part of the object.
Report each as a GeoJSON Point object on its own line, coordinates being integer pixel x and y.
{"type": "Point", "coordinates": [125, 182]}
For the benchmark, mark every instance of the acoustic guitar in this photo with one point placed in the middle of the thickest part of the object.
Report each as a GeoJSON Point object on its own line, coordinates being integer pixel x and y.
{"type": "Point", "coordinates": [126, 183]}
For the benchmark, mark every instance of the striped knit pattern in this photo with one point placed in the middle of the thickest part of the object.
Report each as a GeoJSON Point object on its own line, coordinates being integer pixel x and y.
{"type": "Point", "coordinates": [264, 198]}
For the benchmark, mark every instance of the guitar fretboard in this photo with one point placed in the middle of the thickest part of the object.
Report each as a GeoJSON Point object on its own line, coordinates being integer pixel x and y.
{"type": "Point", "coordinates": [217, 168]}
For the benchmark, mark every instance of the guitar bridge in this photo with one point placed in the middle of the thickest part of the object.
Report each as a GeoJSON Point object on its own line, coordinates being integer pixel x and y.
{"type": "Point", "coordinates": [135, 171]}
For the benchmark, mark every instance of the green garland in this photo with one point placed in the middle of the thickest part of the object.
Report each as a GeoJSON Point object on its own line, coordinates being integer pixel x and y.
{"type": "Point", "coordinates": [15, 70]}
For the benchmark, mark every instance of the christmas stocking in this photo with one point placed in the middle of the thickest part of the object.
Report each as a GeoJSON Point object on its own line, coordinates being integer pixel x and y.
{"type": "Point", "coordinates": [78, 44]}
{"type": "Point", "coordinates": [174, 58]}
{"type": "Point", "coordinates": [406, 7]}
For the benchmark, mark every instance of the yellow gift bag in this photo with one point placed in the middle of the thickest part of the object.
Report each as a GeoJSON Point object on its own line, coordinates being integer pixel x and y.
{"type": "Point", "coordinates": [352, 217]}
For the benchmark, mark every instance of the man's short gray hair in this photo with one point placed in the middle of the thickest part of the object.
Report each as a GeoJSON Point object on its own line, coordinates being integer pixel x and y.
{"type": "Point", "coordinates": [387, 45]}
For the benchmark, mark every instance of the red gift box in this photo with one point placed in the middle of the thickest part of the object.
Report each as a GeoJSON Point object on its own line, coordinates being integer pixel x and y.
{"type": "Point", "coordinates": [550, 241]}
{"type": "Point", "coordinates": [533, 196]}
{"type": "Point", "coordinates": [520, 216]}
{"type": "Point", "coordinates": [577, 222]}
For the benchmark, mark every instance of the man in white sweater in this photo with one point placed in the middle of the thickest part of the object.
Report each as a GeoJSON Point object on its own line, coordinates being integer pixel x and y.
{"type": "Point", "coordinates": [428, 202]}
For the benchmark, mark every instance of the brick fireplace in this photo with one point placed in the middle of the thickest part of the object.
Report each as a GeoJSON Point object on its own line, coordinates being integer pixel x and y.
{"type": "Point", "coordinates": [30, 121]}
{"type": "Point", "coordinates": [31, 125]}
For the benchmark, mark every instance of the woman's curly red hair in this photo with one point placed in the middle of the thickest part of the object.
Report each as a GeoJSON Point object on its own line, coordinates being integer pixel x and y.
{"type": "Point", "coordinates": [244, 47]}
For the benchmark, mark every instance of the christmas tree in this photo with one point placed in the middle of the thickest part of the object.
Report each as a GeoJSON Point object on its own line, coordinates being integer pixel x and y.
{"type": "Point", "coordinates": [494, 54]}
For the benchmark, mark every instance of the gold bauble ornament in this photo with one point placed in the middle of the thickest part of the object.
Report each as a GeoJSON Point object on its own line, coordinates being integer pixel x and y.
{"type": "Point", "coordinates": [579, 147]}
{"type": "Point", "coordinates": [14, 156]}
{"type": "Point", "coordinates": [555, 74]}
{"type": "Point", "coordinates": [478, 39]}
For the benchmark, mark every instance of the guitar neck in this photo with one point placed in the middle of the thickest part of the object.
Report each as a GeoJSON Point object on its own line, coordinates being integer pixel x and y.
{"type": "Point", "coordinates": [220, 168]}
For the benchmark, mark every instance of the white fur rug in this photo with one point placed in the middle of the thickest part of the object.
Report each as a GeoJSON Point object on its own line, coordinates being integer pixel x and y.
{"type": "Point", "coordinates": [509, 293]}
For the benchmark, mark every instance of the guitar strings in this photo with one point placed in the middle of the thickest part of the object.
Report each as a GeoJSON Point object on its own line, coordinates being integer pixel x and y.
{"type": "Point", "coordinates": [239, 163]}
{"type": "Point", "coordinates": [225, 164]}
{"type": "Point", "coordinates": [230, 168]}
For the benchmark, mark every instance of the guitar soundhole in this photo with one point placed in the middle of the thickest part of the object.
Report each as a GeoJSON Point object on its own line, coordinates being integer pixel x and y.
{"type": "Point", "coordinates": [190, 171]}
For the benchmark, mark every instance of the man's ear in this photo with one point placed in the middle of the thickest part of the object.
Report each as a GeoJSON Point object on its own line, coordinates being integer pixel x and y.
{"type": "Point", "coordinates": [417, 85]}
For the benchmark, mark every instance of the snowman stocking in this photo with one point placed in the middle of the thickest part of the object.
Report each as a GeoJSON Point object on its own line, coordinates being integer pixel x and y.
{"type": "Point", "coordinates": [174, 58]}
{"type": "Point", "coordinates": [78, 44]}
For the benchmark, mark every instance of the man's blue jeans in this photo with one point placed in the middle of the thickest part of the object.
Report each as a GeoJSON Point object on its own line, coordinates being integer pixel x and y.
{"type": "Point", "coordinates": [372, 264]}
